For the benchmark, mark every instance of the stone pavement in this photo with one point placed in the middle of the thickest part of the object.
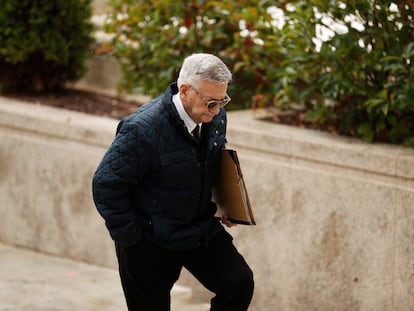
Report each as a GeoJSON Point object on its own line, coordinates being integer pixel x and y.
{"type": "Point", "coordinates": [31, 281]}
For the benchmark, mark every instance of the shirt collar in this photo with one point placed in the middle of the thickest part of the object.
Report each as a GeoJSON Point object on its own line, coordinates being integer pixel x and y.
{"type": "Point", "coordinates": [189, 123]}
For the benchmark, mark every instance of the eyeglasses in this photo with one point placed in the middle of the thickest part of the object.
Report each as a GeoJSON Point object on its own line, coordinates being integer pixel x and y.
{"type": "Point", "coordinates": [211, 103]}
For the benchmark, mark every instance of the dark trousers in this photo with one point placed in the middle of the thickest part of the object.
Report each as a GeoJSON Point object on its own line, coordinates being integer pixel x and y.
{"type": "Point", "coordinates": [148, 272]}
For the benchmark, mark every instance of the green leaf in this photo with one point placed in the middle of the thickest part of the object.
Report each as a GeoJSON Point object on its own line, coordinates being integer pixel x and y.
{"type": "Point", "coordinates": [365, 132]}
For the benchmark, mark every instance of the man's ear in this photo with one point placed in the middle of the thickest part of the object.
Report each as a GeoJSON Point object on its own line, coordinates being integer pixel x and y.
{"type": "Point", "coordinates": [184, 88]}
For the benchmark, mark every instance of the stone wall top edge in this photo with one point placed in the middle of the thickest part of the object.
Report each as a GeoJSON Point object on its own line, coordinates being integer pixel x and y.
{"type": "Point", "coordinates": [57, 122]}
{"type": "Point", "coordinates": [318, 146]}
{"type": "Point", "coordinates": [244, 130]}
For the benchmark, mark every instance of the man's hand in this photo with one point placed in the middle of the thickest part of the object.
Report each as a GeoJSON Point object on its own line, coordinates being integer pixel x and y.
{"type": "Point", "coordinates": [225, 221]}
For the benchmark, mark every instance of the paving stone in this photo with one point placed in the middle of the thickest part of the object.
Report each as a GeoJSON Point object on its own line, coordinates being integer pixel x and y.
{"type": "Point", "coordinates": [32, 281]}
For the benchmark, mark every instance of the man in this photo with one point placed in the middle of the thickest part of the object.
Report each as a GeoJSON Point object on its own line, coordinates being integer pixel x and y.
{"type": "Point", "coordinates": [153, 188]}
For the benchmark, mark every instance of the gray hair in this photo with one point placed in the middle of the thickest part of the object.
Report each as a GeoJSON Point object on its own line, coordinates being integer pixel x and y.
{"type": "Point", "coordinates": [199, 67]}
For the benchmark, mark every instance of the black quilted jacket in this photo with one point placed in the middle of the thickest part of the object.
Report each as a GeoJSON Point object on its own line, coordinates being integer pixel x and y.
{"type": "Point", "coordinates": [154, 181]}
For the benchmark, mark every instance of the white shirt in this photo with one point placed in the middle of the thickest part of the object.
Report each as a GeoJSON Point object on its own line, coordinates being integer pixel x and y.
{"type": "Point", "coordinates": [189, 123]}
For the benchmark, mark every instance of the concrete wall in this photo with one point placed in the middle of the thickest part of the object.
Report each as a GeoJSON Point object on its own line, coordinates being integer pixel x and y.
{"type": "Point", "coordinates": [47, 159]}
{"type": "Point", "coordinates": [334, 216]}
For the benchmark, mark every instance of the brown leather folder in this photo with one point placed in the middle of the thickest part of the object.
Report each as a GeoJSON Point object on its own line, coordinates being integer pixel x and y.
{"type": "Point", "coordinates": [229, 190]}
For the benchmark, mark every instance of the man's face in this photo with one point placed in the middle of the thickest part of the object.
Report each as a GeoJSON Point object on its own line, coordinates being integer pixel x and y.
{"type": "Point", "coordinates": [196, 98]}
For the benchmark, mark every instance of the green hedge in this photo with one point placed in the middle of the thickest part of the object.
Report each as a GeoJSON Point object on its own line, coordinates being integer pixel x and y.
{"type": "Point", "coordinates": [358, 82]}
{"type": "Point", "coordinates": [361, 80]}
{"type": "Point", "coordinates": [43, 43]}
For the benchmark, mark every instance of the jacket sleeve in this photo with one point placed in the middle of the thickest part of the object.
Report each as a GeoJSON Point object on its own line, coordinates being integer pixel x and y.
{"type": "Point", "coordinates": [119, 170]}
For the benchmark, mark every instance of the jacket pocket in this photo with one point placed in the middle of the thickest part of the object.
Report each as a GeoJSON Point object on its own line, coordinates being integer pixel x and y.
{"type": "Point", "coordinates": [163, 228]}
{"type": "Point", "coordinates": [179, 170]}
